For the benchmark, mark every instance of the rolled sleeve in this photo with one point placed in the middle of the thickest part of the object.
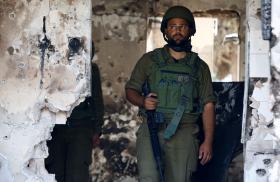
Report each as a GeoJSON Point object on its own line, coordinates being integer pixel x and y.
{"type": "Point", "coordinates": [139, 74]}
{"type": "Point", "coordinates": [206, 88]}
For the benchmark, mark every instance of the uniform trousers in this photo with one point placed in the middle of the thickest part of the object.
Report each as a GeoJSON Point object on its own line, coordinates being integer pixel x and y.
{"type": "Point", "coordinates": [70, 153]}
{"type": "Point", "coordinates": [179, 154]}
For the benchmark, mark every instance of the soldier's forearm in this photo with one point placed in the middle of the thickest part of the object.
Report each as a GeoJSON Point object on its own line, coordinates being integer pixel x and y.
{"type": "Point", "coordinates": [134, 97]}
{"type": "Point", "coordinates": [208, 117]}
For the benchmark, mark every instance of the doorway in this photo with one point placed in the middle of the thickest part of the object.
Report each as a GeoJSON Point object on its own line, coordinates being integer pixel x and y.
{"type": "Point", "coordinates": [217, 42]}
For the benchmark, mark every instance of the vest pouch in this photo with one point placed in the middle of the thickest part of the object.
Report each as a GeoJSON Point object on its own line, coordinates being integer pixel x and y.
{"type": "Point", "coordinates": [170, 89]}
{"type": "Point", "coordinates": [162, 92]}
{"type": "Point", "coordinates": [174, 83]}
{"type": "Point", "coordinates": [173, 94]}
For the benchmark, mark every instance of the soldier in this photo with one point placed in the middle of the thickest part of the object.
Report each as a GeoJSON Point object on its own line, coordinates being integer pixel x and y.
{"type": "Point", "coordinates": [71, 146]}
{"type": "Point", "coordinates": [181, 90]}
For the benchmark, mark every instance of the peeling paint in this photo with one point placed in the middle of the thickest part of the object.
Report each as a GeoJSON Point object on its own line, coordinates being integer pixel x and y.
{"type": "Point", "coordinates": [262, 148]}
{"type": "Point", "coordinates": [38, 86]}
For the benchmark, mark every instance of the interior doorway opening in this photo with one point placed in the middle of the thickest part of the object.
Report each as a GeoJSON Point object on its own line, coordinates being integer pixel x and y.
{"type": "Point", "coordinates": [217, 42]}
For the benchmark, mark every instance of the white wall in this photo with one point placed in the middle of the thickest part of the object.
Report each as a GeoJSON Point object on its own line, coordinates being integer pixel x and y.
{"type": "Point", "coordinates": [262, 149]}
{"type": "Point", "coordinates": [37, 90]}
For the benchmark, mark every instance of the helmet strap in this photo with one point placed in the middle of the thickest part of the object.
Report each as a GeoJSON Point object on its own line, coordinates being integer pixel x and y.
{"type": "Point", "coordinates": [184, 46]}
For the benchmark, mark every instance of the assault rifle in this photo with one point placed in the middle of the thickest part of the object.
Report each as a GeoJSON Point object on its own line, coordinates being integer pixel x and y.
{"type": "Point", "coordinates": [153, 129]}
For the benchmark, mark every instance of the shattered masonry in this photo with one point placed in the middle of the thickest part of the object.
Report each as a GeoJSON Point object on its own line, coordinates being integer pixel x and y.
{"type": "Point", "coordinates": [262, 148]}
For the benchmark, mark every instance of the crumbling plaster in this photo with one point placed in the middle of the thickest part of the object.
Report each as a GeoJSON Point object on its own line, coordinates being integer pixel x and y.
{"type": "Point", "coordinates": [275, 57]}
{"type": "Point", "coordinates": [41, 81]}
{"type": "Point", "coordinates": [262, 141]}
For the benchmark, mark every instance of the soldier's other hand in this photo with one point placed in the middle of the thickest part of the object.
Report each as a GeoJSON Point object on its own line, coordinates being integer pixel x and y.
{"type": "Point", "coordinates": [205, 153]}
{"type": "Point", "coordinates": [95, 140]}
{"type": "Point", "coordinates": [150, 101]}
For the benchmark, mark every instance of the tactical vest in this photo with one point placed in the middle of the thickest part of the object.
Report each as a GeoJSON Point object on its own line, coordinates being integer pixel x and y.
{"type": "Point", "coordinates": [175, 83]}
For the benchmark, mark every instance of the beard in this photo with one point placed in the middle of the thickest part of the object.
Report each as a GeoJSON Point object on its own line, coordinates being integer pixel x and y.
{"type": "Point", "coordinates": [178, 42]}
{"type": "Point", "coordinates": [178, 38]}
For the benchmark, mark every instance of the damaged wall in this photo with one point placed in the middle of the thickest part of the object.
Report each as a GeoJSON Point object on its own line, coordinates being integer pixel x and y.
{"type": "Point", "coordinates": [120, 30]}
{"type": "Point", "coordinates": [41, 78]}
{"type": "Point", "coordinates": [120, 33]}
{"type": "Point", "coordinates": [261, 132]}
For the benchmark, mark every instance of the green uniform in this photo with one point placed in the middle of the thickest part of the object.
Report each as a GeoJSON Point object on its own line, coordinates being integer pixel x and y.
{"type": "Point", "coordinates": [180, 153]}
{"type": "Point", "coordinates": [71, 146]}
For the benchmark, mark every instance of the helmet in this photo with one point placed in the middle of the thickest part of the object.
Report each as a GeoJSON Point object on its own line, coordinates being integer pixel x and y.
{"type": "Point", "coordinates": [178, 12]}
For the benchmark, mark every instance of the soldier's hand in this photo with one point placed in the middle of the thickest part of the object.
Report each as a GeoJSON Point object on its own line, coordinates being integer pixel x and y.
{"type": "Point", "coordinates": [150, 102]}
{"type": "Point", "coordinates": [205, 153]}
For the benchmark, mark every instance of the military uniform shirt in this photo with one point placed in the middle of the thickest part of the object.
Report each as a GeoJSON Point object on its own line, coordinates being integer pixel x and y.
{"type": "Point", "coordinates": [143, 71]}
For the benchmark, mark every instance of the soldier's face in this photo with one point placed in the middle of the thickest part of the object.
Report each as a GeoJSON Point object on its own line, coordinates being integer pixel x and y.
{"type": "Point", "coordinates": [177, 29]}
